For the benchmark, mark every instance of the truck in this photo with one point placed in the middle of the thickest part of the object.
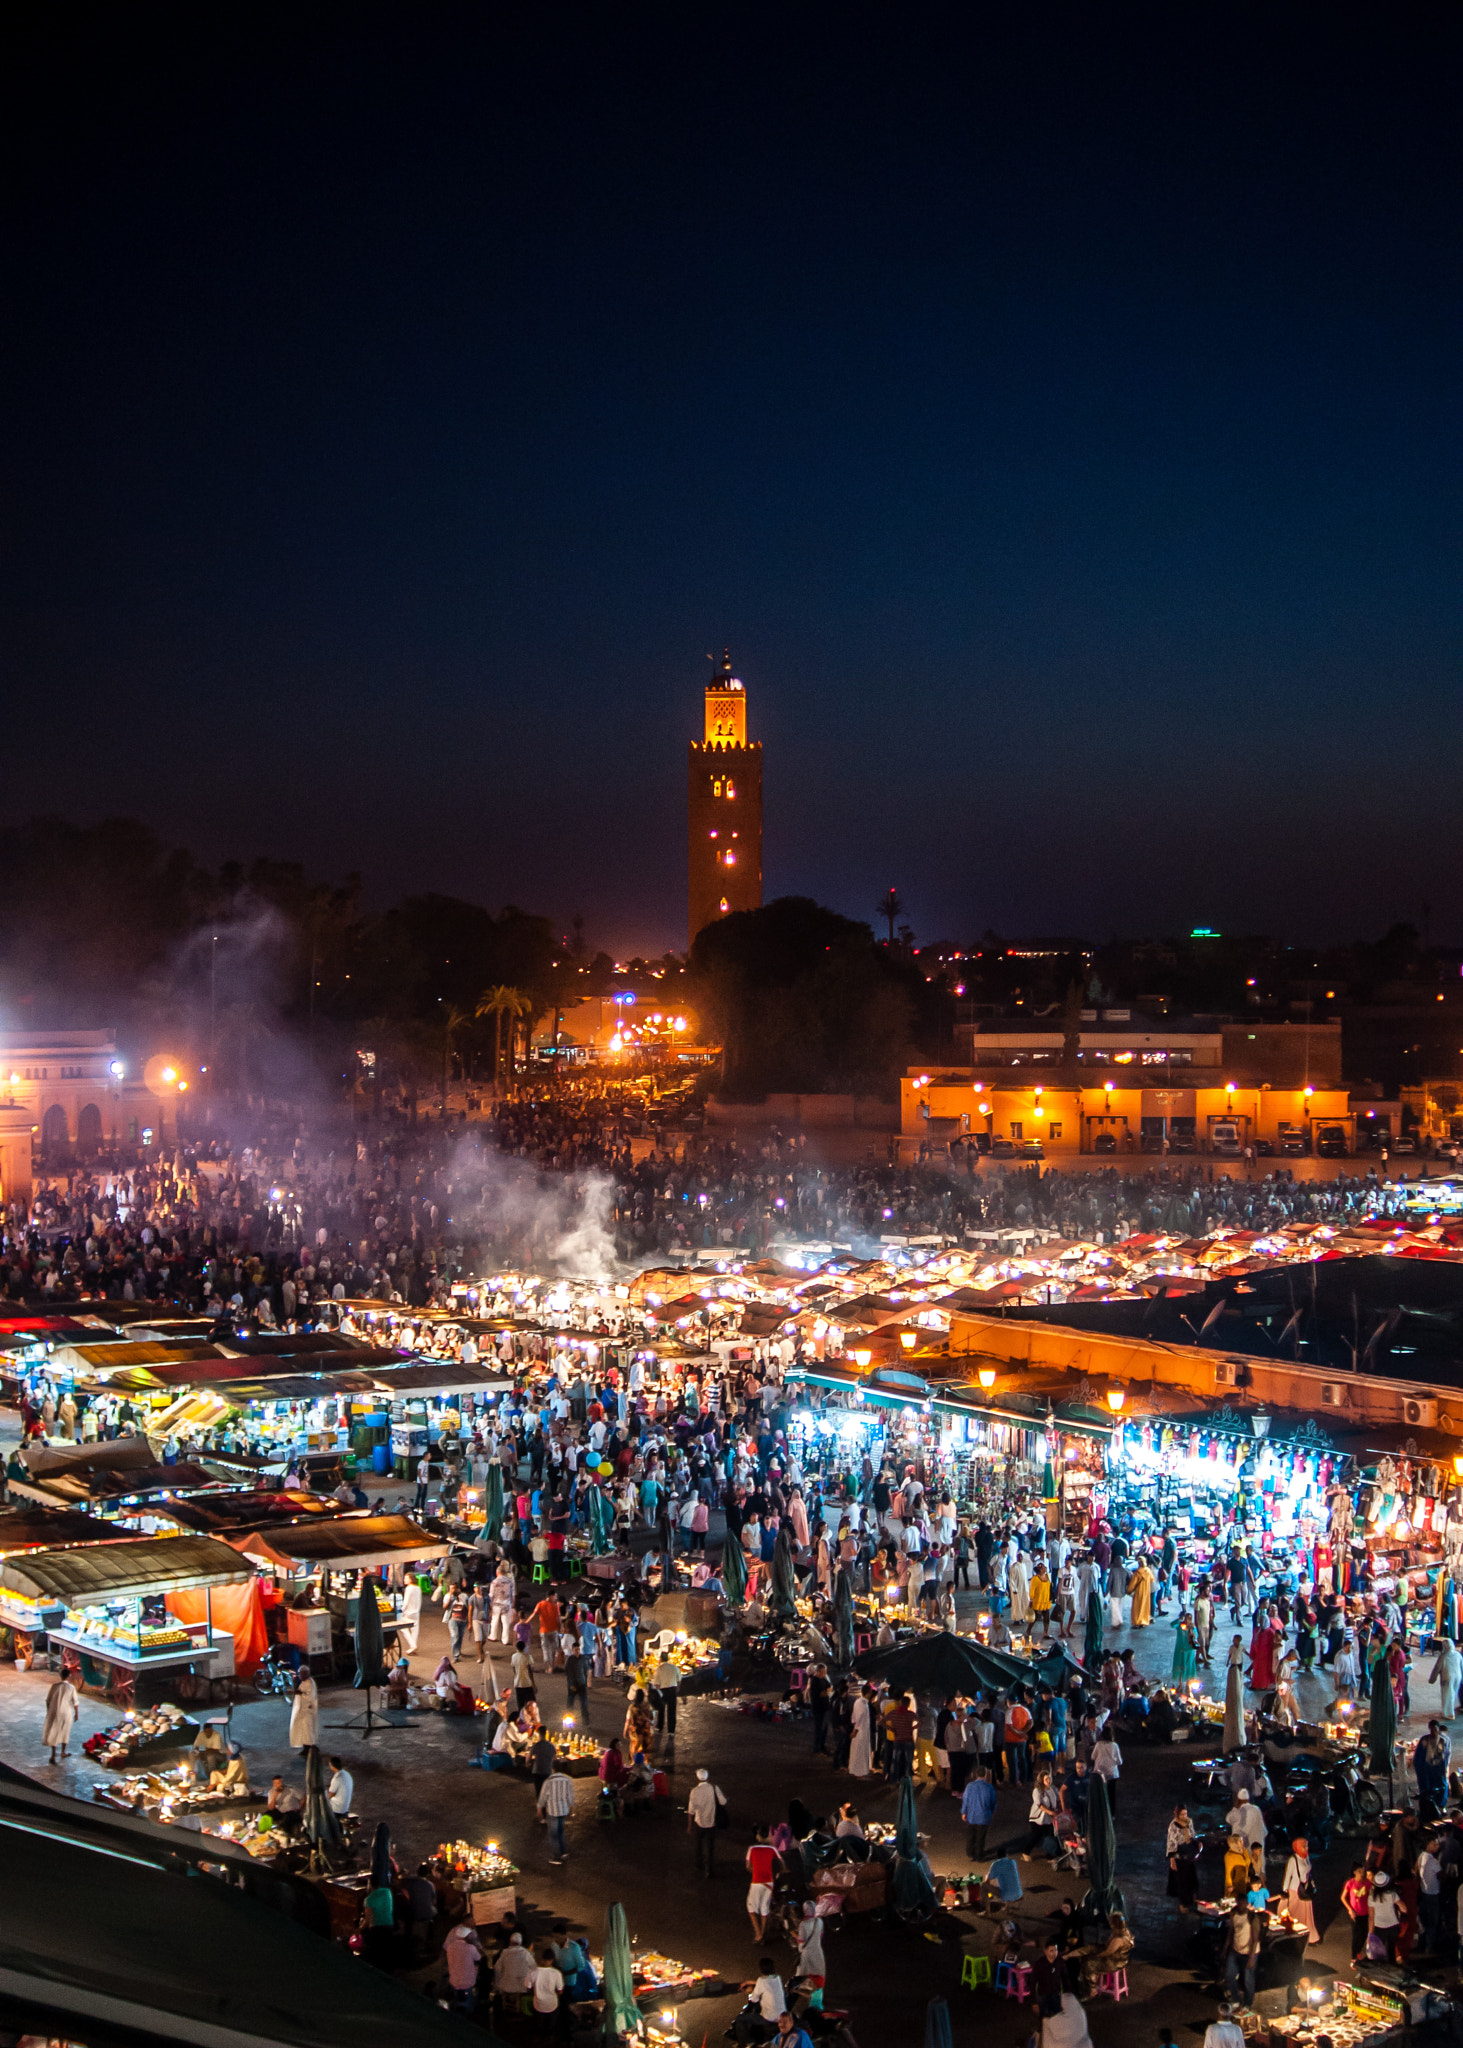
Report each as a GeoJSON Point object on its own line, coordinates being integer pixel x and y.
{"type": "Point", "coordinates": [1224, 1137]}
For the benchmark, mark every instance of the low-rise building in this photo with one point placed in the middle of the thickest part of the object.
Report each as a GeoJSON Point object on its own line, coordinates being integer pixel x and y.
{"type": "Point", "coordinates": [1123, 1083]}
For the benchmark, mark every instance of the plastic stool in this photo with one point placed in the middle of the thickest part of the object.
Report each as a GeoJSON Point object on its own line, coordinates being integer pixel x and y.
{"type": "Point", "coordinates": [974, 1971]}
{"type": "Point", "coordinates": [1012, 1978]}
{"type": "Point", "coordinates": [575, 1567]}
{"type": "Point", "coordinates": [797, 1678]}
{"type": "Point", "coordinates": [540, 1574]}
{"type": "Point", "coordinates": [1114, 1983]}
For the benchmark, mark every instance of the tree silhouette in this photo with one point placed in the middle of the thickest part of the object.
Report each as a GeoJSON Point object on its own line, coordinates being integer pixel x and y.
{"type": "Point", "coordinates": [889, 907]}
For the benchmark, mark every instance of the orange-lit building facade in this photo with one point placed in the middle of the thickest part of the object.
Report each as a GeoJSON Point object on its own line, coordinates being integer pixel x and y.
{"type": "Point", "coordinates": [1140, 1085]}
{"type": "Point", "coordinates": [725, 807]}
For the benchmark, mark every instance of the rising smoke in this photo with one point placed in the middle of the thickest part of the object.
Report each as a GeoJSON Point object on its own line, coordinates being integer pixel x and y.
{"type": "Point", "coordinates": [533, 1217]}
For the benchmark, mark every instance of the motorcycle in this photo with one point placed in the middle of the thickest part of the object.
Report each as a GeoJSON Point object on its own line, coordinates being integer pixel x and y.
{"type": "Point", "coordinates": [275, 1675]}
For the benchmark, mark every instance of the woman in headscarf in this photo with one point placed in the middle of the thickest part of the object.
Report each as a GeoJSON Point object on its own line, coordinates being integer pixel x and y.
{"type": "Point", "coordinates": [1184, 1649]}
{"type": "Point", "coordinates": [1299, 1889]}
{"type": "Point", "coordinates": [1182, 1847]}
{"type": "Point", "coordinates": [1141, 1588]}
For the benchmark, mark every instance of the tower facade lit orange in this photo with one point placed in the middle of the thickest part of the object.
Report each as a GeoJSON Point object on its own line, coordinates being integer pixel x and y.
{"type": "Point", "coordinates": [725, 790]}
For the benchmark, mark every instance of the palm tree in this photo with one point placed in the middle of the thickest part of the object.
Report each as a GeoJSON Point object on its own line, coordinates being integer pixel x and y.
{"type": "Point", "coordinates": [498, 1002]}
{"type": "Point", "coordinates": [889, 907]}
{"type": "Point", "coordinates": [453, 1021]}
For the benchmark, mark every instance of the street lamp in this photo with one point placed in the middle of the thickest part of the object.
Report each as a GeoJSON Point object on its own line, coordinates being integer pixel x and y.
{"type": "Point", "coordinates": [1260, 1424]}
{"type": "Point", "coordinates": [1115, 1399]}
{"type": "Point", "coordinates": [987, 1377]}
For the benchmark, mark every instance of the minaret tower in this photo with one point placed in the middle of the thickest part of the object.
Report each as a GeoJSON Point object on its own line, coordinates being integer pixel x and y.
{"type": "Point", "coordinates": [725, 807]}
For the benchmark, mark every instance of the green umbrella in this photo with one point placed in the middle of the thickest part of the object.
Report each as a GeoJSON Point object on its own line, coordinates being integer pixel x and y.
{"type": "Point", "coordinates": [784, 1601]}
{"type": "Point", "coordinates": [320, 1820]}
{"type": "Point", "coordinates": [493, 1502]}
{"type": "Point", "coordinates": [734, 1569]}
{"type": "Point", "coordinates": [601, 1520]}
{"type": "Point", "coordinates": [1092, 1631]}
{"type": "Point", "coordinates": [622, 2014]}
{"type": "Point", "coordinates": [1381, 1727]}
{"type": "Point", "coordinates": [843, 1617]}
{"type": "Point", "coordinates": [911, 1891]}
{"type": "Point", "coordinates": [1104, 1898]}
{"type": "Point", "coordinates": [937, 2025]}
{"type": "Point", "coordinates": [370, 1643]}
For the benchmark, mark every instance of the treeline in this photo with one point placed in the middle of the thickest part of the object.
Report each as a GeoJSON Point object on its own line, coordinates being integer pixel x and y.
{"type": "Point", "coordinates": [268, 972]}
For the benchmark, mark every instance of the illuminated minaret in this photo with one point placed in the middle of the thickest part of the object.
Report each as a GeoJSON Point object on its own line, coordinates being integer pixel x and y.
{"type": "Point", "coordinates": [725, 806]}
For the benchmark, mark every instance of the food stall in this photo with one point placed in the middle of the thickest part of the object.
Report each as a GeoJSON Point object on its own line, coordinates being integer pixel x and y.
{"type": "Point", "coordinates": [23, 1530]}
{"type": "Point", "coordinates": [488, 1879]}
{"type": "Point", "coordinates": [303, 1556]}
{"type": "Point", "coordinates": [116, 1633]}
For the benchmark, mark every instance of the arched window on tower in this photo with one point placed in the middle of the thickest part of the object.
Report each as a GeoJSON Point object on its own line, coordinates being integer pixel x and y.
{"type": "Point", "coordinates": [731, 789]}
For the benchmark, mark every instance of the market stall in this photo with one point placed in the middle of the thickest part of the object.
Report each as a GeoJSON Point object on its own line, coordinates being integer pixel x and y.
{"type": "Point", "coordinates": [116, 1633]}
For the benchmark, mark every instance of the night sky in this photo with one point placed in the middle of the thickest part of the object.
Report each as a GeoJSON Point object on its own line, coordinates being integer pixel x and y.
{"type": "Point", "coordinates": [1057, 413]}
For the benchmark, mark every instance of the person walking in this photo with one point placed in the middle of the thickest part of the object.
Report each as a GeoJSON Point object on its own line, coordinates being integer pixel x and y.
{"type": "Point", "coordinates": [761, 1862]}
{"type": "Point", "coordinates": [820, 1694]}
{"type": "Point", "coordinates": [1107, 1764]}
{"type": "Point", "coordinates": [1447, 1675]}
{"type": "Point", "coordinates": [978, 1810]}
{"type": "Point", "coordinates": [576, 1678]}
{"type": "Point", "coordinates": [61, 1704]}
{"type": "Point", "coordinates": [666, 1684]}
{"type": "Point", "coordinates": [555, 1804]}
{"type": "Point", "coordinates": [701, 1813]}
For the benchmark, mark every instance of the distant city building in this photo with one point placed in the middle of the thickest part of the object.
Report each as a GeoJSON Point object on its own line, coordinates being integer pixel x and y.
{"type": "Point", "coordinates": [1132, 1083]}
{"type": "Point", "coordinates": [69, 1093]}
{"type": "Point", "coordinates": [725, 807]}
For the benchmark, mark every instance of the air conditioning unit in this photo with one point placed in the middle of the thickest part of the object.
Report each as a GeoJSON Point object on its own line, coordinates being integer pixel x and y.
{"type": "Point", "coordinates": [1333, 1393]}
{"type": "Point", "coordinates": [1421, 1414]}
{"type": "Point", "coordinates": [1225, 1373]}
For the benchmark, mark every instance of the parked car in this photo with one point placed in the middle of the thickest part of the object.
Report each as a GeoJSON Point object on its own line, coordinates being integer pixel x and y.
{"type": "Point", "coordinates": [1331, 1142]}
{"type": "Point", "coordinates": [1224, 1138]}
{"type": "Point", "coordinates": [1403, 1142]}
{"type": "Point", "coordinates": [1002, 1148]}
{"type": "Point", "coordinates": [1293, 1143]}
{"type": "Point", "coordinates": [1264, 1148]}
{"type": "Point", "coordinates": [1032, 1149]}
{"type": "Point", "coordinates": [1104, 1142]}
{"type": "Point", "coordinates": [1450, 1149]}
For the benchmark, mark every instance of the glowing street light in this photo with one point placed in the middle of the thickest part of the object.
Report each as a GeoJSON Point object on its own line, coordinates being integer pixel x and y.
{"type": "Point", "coordinates": [1115, 1399]}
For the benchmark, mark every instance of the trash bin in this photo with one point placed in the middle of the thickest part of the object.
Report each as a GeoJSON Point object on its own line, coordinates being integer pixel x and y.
{"type": "Point", "coordinates": [381, 1458]}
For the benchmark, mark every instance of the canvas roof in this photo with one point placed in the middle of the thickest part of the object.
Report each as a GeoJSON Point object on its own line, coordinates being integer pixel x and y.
{"type": "Point", "coordinates": [117, 1571]}
{"type": "Point", "coordinates": [354, 1543]}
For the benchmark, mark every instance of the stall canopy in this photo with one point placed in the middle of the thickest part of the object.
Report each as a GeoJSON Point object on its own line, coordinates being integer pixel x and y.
{"type": "Point", "coordinates": [38, 1529]}
{"type": "Point", "coordinates": [136, 1482]}
{"type": "Point", "coordinates": [226, 1513]}
{"type": "Point", "coordinates": [938, 1661]}
{"type": "Point", "coordinates": [355, 1543]}
{"type": "Point", "coordinates": [121, 1571]}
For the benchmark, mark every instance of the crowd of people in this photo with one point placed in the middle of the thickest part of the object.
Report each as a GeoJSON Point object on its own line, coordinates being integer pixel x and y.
{"type": "Point", "coordinates": [266, 1231]}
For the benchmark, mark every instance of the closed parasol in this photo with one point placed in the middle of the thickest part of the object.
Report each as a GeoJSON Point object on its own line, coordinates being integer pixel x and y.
{"type": "Point", "coordinates": [622, 2015]}
{"type": "Point", "coordinates": [911, 1889]}
{"type": "Point", "coordinates": [320, 1820]}
{"type": "Point", "coordinates": [843, 1618]}
{"type": "Point", "coordinates": [784, 1599]}
{"type": "Point", "coordinates": [1104, 1898]}
{"type": "Point", "coordinates": [734, 1570]}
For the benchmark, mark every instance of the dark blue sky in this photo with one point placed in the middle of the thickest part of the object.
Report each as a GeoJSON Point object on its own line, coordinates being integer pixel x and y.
{"type": "Point", "coordinates": [1057, 412]}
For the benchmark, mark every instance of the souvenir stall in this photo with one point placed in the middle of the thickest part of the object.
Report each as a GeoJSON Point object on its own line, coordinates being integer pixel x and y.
{"type": "Point", "coordinates": [117, 1634]}
{"type": "Point", "coordinates": [1399, 1533]}
{"type": "Point", "coordinates": [1235, 1473]}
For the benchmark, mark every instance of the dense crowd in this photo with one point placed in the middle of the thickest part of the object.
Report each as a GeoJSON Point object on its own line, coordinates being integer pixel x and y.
{"type": "Point", "coordinates": [399, 1215]}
